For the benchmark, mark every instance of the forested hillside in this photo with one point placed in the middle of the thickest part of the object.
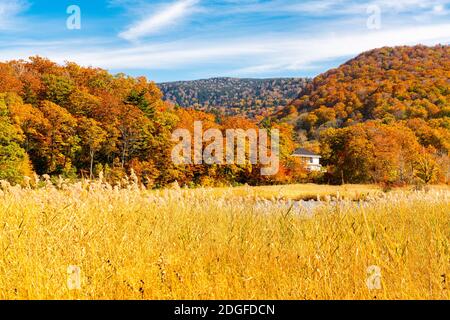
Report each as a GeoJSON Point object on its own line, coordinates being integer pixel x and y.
{"type": "Point", "coordinates": [232, 96]}
{"type": "Point", "coordinates": [72, 121]}
{"type": "Point", "coordinates": [383, 117]}
{"type": "Point", "coordinates": [377, 110]}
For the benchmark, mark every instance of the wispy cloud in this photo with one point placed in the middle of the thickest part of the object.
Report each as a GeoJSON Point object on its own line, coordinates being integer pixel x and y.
{"type": "Point", "coordinates": [252, 56]}
{"type": "Point", "coordinates": [301, 54]}
{"type": "Point", "coordinates": [9, 9]}
{"type": "Point", "coordinates": [165, 17]}
{"type": "Point", "coordinates": [263, 38]}
{"type": "Point", "coordinates": [335, 7]}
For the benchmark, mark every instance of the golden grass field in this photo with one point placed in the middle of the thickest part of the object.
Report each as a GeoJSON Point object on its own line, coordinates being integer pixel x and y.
{"type": "Point", "coordinates": [225, 243]}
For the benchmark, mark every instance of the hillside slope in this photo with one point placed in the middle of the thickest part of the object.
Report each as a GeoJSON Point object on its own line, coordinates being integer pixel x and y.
{"type": "Point", "coordinates": [383, 116]}
{"type": "Point", "coordinates": [234, 96]}
{"type": "Point", "coordinates": [390, 84]}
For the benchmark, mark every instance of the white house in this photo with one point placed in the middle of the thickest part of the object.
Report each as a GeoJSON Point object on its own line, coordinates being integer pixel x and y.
{"type": "Point", "coordinates": [312, 160]}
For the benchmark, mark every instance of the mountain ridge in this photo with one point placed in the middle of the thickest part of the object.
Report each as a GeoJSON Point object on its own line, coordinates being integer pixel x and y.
{"type": "Point", "coordinates": [387, 84]}
{"type": "Point", "coordinates": [231, 96]}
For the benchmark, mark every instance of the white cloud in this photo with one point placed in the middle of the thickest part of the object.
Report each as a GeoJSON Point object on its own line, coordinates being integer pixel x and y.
{"type": "Point", "coordinates": [335, 7]}
{"type": "Point", "coordinates": [301, 54]}
{"type": "Point", "coordinates": [9, 9]}
{"type": "Point", "coordinates": [165, 17]}
{"type": "Point", "coordinates": [439, 10]}
{"type": "Point", "coordinates": [243, 56]}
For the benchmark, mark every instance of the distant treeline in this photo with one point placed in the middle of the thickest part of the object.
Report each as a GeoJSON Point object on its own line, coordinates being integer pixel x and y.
{"type": "Point", "coordinates": [233, 96]}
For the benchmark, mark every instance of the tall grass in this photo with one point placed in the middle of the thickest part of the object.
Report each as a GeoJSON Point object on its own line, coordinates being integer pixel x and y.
{"type": "Point", "coordinates": [131, 243]}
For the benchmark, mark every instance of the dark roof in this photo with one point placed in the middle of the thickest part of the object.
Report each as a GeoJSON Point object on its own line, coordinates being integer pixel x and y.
{"type": "Point", "coordinates": [304, 152]}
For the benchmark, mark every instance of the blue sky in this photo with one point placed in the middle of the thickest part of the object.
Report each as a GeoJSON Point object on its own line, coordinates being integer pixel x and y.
{"type": "Point", "coordinates": [191, 39]}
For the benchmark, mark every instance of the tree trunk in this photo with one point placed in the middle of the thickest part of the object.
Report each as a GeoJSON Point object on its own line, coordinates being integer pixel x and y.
{"type": "Point", "coordinates": [91, 152]}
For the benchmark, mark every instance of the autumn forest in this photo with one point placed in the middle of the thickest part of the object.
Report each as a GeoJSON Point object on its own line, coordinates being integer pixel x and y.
{"type": "Point", "coordinates": [382, 117]}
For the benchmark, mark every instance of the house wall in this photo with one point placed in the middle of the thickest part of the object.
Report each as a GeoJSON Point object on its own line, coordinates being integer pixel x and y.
{"type": "Point", "coordinates": [311, 163]}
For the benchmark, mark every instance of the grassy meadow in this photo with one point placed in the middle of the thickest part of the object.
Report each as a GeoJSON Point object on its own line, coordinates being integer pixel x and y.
{"type": "Point", "coordinates": [224, 243]}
